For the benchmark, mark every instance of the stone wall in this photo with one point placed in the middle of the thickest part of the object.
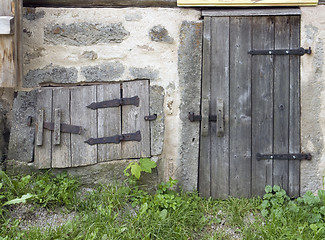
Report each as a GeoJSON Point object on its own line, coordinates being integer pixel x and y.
{"type": "Point", "coordinates": [76, 46]}
{"type": "Point", "coordinates": [313, 97]}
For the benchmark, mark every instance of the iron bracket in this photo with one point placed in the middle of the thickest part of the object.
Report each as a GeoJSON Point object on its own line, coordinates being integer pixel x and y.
{"type": "Point", "coordinates": [115, 103]}
{"type": "Point", "coordinates": [194, 118]}
{"type": "Point", "coordinates": [298, 51]}
{"type": "Point", "coordinates": [150, 117]}
{"type": "Point", "coordinates": [116, 138]}
{"type": "Point", "coordinates": [293, 156]}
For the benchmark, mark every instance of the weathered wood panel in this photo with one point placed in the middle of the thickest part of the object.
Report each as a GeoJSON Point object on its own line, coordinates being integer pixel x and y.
{"type": "Point", "coordinates": [250, 12]}
{"type": "Point", "coordinates": [61, 154]}
{"type": "Point", "coordinates": [294, 112]}
{"type": "Point", "coordinates": [7, 49]}
{"type": "Point", "coordinates": [240, 107]}
{"type": "Point", "coordinates": [82, 153]}
{"type": "Point", "coordinates": [204, 162]}
{"type": "Point", "coordinates": [43, 152]}
{"type": "Point", "coordinates": [281, 102]}
{"type": "Point", "coordinates": [220, 85]}
{"type": "Point", "coordinates": [100, 3]}
{"type": "Point", "coordinates": [133, 120]}
{"type": "Point", "coordinates": [247, 3]}
{"type": "Point", "coordinates": [109, 122]}
{"type": "Point", "coordinates": [262, 103]}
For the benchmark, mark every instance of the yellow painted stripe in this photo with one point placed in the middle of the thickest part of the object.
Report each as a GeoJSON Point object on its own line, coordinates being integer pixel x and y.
{"type": "Point", "coordinates": [246, 3]}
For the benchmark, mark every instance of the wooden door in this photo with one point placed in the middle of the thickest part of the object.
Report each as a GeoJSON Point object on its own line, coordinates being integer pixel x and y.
{"type": "Point", "coordinates": [67, 124]}
{"type": "Point", "coordinates": [257, 103]}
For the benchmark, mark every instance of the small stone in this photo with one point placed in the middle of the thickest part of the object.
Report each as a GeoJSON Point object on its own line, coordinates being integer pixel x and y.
{"type": "Point", "coordinates": [32, 14]}
{"type": "Point", "coordinates": [160, 34]}
{"type": "Point", "coordinates": [144, 73]}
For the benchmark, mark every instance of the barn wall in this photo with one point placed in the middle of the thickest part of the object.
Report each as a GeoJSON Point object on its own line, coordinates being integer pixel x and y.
{"type": "Point", "coordinates": [313, 97]}
{"type": "Point", "coordinates": [77, 46]}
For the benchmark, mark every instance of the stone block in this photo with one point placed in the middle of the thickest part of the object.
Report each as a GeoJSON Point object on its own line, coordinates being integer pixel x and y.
{"type": "Point", "coordinates": [32, 14]}
{"type": "Point", "coordinates": [21, 143]}
{"type": "Point", "coordinates": [144, 73]}
{"type": "Point", "coordinates": [84, 34]}
{"type": "Point", "coordinates": [103, 72]}
{"type": "Point", "coordinates": [50, 74]}
{"type": "Point", "coordinates": [189, 71]}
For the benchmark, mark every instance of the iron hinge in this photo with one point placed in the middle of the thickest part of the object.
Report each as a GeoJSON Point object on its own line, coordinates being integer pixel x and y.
{"type": "Point", "coordinates": [116, 138]}
{"type": "Point", "coordinates": [150, 117]}
{"type": "Point", "coordinates": [292, 156]}
{"type": "Point", "coordinates": [115, 103]}
{"type": "Point", "coordinates": [298, 51]}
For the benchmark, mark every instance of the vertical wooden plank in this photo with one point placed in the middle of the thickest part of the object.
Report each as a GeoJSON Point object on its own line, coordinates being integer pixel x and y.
{"type": "Point", "coordinates": [61, 154]}
{"type": "Point", "coordinates": [43, 153]}
{"type": "Point", "coordinates": [18, 42]}
{"type": "Point", "coordinates": [204, 161]}
{"type": "Point", "coordinates": [240, 107]}
{"type": "Point", "coordinates": [57, 127]}
{"type": "Point", "coordinates": [220, 91]}
{"type": "Point", "coordinates": [39, 127]}
{"type": "Point", "coordinates": [7, 49]}
{"type": "Point", "coordinates": [133, 119]}
{"type": "Point", "coordinates": [109, 122]}
{"type": "Point", "coordinates": [281, 101]}
{"type": "Point", "coordinates": [82, 153]}
{"type": "Point", "coordinates": [294, 116]}
{"type": "Point", "coordinates": [262, 103]}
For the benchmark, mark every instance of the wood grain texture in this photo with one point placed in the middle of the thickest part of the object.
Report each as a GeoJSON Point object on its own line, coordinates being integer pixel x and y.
{"type": "Point", "coordinates": [7, 49]}
{"type": "Point", "coordinates": [250, 12]}
{"type": "Point", "coordinates": [18, 43]}
{"type": "Point", "coordinates": [81, 153]}
{"type": "Point", "coordinates": [294, 112]}
{"type": "Point", "coordinates": [247, 3]}
{"type": "Point", "coordinates": [61, 154]}
{"type": "Point", "coordinates": [109, 122]}
{"type": "Point", "coordinates": [204, 160]}
{"type": "Point", "coordinates": [43, 153]}
{"type": "Point", "coordinates": [220, 93]}
{"type": "Point", "coordinates": [262, 103]}
{"type": "Point", "coordinates": [281, 102]}
{"type": "Point", "coordinates": [240, 107]}
{"type": "Point", "coordinates": [100, 3]}
{"type": "Point", "coordinates": [133, 119]}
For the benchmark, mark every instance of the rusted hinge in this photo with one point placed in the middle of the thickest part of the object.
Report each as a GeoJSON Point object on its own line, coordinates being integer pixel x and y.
{"type": "Point", "coordinates": [115, 103]}
{"type": "Point", "coordinates": [298, 51]}
{"type": "Point", "coordinates": [293, 156]}
{"type": "Point", "coordinates": [116, 138]}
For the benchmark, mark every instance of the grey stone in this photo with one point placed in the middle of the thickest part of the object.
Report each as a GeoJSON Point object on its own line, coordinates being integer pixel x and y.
{"type": "Point", "coordinates": [84, 34]}
{"type": "Point", "coordinates": [32, 14]}
{"type": "Point", "coordinates": [103, 72]}
{"type": "Point", "coordinates": [157, 127]}
{"type": "Point", "coordinates": [160, 34]}
{"type": "Point", "coordinates": [36, 53]}
{"type": "Point", "coordinates": [89, 55]}
{"type": "Point", "coordinates": [189, 71]}
{"type": "Point", "coordinates": [144, 73]}
{"type": "Point", "coordinates": [21, 143]}
{"type": "Point", "coordinates": [50, 74]}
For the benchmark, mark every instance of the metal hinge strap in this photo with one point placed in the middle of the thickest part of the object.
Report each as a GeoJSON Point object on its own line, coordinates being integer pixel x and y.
{"type": "Point", "coordinates": [116, 138]}
{"type": "Point", "coordinates": [194, 118]}
{"type": "Point", "coordinates": [115, 103]}
{"type": "Point", "coordinates": [298, 51]}
{"type": "Point", "coordinates": [293, 156]}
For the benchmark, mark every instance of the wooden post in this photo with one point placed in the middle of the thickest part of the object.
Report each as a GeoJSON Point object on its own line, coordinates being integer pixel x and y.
{"type": "Point", "coordinates": [10, 44]}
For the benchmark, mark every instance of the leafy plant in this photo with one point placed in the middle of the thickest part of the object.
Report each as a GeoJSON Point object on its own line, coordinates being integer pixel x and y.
{"type": "Point", "coordinates": [144, 165]}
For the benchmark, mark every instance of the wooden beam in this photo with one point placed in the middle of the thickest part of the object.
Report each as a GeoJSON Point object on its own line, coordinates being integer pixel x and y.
{"type": "Point", "coordinates": [6, 25]}
{"type": "Point", "coordinates": [228, 12]}
{"type": "Point", "coordinates": [246, 3]}
{"type": "Point", "coordinates": [100, 3]}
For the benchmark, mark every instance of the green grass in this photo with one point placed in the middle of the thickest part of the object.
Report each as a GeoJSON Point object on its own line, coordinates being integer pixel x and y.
{"type": "Point", "coordinates": [124, 212]}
